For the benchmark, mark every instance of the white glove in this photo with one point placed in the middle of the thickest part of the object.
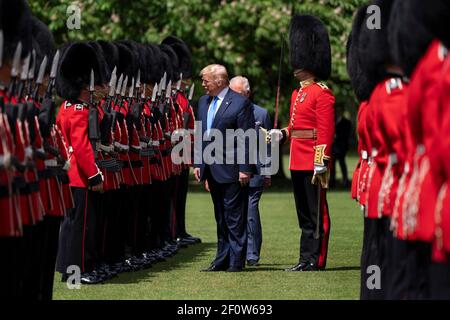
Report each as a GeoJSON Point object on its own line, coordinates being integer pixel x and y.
{"type": "Point", "coordinates": [319, 169]}
{"type": "Point", "coordinates": [277, 135]}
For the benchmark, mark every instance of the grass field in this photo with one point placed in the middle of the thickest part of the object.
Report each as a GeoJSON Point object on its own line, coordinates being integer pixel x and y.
{"type": "Point", "coordinates": [180, 277]}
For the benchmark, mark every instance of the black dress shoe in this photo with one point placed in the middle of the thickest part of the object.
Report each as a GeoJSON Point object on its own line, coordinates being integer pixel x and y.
{"type": "Point", "coordinates": [298, 267]}
{"type": "Point", "coordinates": [91, 278]}
{"type": "Point", "coordinates": [311, 267]}
{"type": "Point", "coordinates": [234, 269]}
{"type": "Point", "coordinates": [252, 263]}
{"type": "Point", "coordinates": [213, 268]}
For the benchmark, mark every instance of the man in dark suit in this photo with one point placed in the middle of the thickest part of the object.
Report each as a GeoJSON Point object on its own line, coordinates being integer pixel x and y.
{"type": "Point", "coordinates": [258, 181]}
{"type": "Point", "coordinates": [221, 109]}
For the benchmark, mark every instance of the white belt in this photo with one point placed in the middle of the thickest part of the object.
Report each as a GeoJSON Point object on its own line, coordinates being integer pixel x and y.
{"type": "Point", "coordinates": [121, 147]}
{"type": "Point", "coordinates": [51, 163]}
{"type": "Point", "coordinates": [28, 152]}
{"type": "Point", "coordinates": [374, 152]}
{"type": "Point", "coordinates": [364, 154]}
{"type": "Point", "coordinates": [393, 158]}
{"type": "Point", "coordinates": [155, 143]}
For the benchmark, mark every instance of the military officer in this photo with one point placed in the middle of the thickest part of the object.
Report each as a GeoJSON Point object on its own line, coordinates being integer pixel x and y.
{"type": "Point", "coordinates": [310, 132]}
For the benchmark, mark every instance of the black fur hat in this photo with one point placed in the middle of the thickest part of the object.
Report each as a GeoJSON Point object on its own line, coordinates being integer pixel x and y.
{"type": "Point", "coordinates": [183, 54]}
{"type": "Point", "coordinates": [310, 46]}
{"type": "Point", "coordinates": [408, 36]}
{"type": "Point", "coordinates": [105, 72]}
{"type": "Point", "coordinates": [436, 16]}
{"type": "Point", "coordinates": [172, 58]}
{"type": "Point", "coordinates": [110, 52]}
{"type": "Point", "coordinates": [43, 42]}
{"type": "Point", "coordinates": [155, 69]}
{"type": "Point", "coordinates": [361, 83]}
{"type": "Point", "coordinates": [127, 61]}
{"type": "Point", "coordinates": [374, 48]}
{"type": "Point", "coordinates": [15, 22]}
{"type": "Point", "coordinates": [74, 70]}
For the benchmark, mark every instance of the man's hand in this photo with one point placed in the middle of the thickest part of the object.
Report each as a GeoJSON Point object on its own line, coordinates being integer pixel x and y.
{"type": "Point", "coordinates": [207, 186]}
{"type": "Point", "coordinates": [321, 175]}
{"type": "Point", "coordinates": [98, 187]}
{"type": "Point", "coordinates": [267, 181]}
{"type": "Point", "coordinates": [277, 135]}
{"type": "Point", "coordinates": [244, 178]}
{"type": "Point", "coordinates": [197, 174]}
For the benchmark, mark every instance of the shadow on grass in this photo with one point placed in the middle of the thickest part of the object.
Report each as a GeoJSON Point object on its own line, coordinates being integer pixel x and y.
{"type": "Point", "coordinates": [281, 267]}
{"type": "Point", "coordinates": [348, 268]}
{"type": "Point", "coordinates": [184, 255]}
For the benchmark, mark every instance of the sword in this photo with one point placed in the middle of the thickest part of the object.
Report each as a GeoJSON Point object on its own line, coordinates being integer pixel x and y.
{"type": "Point", "coordinates": [319, 196]}
{"type": "Point", "coordinates": [277, 100]}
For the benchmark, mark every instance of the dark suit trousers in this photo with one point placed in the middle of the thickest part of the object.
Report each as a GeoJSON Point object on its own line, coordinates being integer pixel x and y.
{"type": "Point", "coordinates": [306, 202]}
{"type": "Point", "coordinates": [230, 210]}
{"type": "Point", "coordinates": [254, 231]}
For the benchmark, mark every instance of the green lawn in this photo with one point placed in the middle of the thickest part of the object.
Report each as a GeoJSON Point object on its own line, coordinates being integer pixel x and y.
{"type": "Point", "coordinates": [180, 277]}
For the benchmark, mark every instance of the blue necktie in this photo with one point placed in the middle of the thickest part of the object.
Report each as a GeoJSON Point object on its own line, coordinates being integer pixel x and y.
{"type": "Point", "coordinates": [211, 113]}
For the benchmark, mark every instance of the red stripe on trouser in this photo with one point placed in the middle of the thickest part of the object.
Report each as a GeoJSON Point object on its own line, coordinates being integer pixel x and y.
{"type": "Point", "coordinates": [326, 232]}
{"type": "Point", "coordinates": [84, 233]}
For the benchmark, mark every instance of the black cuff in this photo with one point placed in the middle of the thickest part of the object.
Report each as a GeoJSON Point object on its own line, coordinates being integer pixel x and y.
{"type": "Point", "coordinates": [95, 180]}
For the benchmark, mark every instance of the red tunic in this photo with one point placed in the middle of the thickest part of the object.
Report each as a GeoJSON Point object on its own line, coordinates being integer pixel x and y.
{"type": "Point", "coordinates": [423, 117]}
{"type": "Point", "coordinates": [72, 121]}
{"type": "Point", "coordinates": [312, 107]}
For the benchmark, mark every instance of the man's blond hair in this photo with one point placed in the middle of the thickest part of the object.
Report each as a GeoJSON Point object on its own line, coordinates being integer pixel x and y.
{"type": "Point", "coordinates": [218, 72]}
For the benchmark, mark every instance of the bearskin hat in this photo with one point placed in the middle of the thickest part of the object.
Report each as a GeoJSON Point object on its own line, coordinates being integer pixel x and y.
{"type": "Point", "coordinates": [15, 22]}
{"type": "Point", "coordinates": [183, 54]}
{"type": "Point", "coordinates": [171, 62]}
{"type": "Point", "coordinates": [43, 42]}
{"type": "Point", "coordinates": [127, 61]}
{"type": "Point", "coordinates": [74, 69]}
{"type": "Point", "coordinates": [111, 53]}
{"type": "Point", "coordinates": [374, 50]}
{"type": "Point", "coordinates": [105, 72]}
{"type": "Point", "coordinates": [361, 83]}
{"type": "Point", "coordinates": [310, 46]}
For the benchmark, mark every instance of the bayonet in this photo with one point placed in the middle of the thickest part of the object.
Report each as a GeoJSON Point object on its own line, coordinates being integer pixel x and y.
{"type": "Point", "coordinates": [155, 90]}
{"type": "Point", "coordinates": [191, 92]}
{"type": "Point", "coordinates": [23, 76]}
{"type": "Point", "coordinates": [143, 91]}
{"type": "Point", "coordinates": [16, 61]}
{"type": "Point", "coordinates": [169, 89]}
{"type": "Point", "coordinates": [112, 83]}
{"type": "Point", "coordinates": [164, 81]}
{"type": "Point", "coordinates": [131, 90]}
{"type": "Point", "coordinates": [33, 65]}
{"type": "Point", "coordinates": [160, 87]}
{"type": "Point", "coordinates": [179, 82]}
{"type": "Point", "coordinates": [124, 86]}
{"type": "Point", "coordinates": [138, 83]}
{"type": "Point", "coordinates": [42, 68]}
{"type": "Point", "coordinates": [91, 87]}
{"type": "Point", "coordinates": [119, 85]}
{"type": "Point", "coordinates": [54, 65]}
{"type": "Point", "coordinates": [25, 68]}
{"type": "Point", "coordinates": [40, 77]}
{"type": "Point", "coordinates": [53, 70]}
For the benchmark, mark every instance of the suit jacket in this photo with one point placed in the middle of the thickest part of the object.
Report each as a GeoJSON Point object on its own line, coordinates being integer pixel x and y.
{"type": "Point", "coordinates": [235, 112]}
{"type": "Point", "coordinates": [262, 116]}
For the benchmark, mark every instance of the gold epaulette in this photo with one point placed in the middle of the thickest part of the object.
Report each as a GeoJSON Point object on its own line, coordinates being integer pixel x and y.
{"type": "Point", "coordinates": [322, 85]}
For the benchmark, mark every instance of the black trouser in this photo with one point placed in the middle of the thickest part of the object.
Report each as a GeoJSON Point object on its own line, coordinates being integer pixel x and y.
{"type": "Point", "coordinates": [168, 208]}
{"type": "Point", "coordinates": [306, 202]}
{"type": "Point", "coordinates": [156, 198]}
{"type": "Point", "coordinates": [78, 237]}
{"type": "Point", "coordinates": [112, 247]}
{"type": "Point", "coordinates": [376, 259]}
{"type": "Point", "coordinates": [11, 279]}
{"type": "Point", "coordinates": [418, 270]}
{"type": "Point", "coordinates": [180, 203]}
{"type": "Point", "coordinates": [51, 225]}
{"type": "Point", "coordinates": [440, 280]}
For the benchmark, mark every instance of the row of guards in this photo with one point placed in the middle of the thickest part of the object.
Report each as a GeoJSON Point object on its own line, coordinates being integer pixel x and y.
{"type": "Point", "coordinates": [89, 186]}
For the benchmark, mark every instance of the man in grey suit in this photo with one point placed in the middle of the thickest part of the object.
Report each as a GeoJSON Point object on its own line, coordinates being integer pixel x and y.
{"type": "Point", "coordinates": [258, 182]}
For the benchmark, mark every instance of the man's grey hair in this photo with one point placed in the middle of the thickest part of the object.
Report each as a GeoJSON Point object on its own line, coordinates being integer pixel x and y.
{"type": "Point", "coordinates": [241, 81]}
